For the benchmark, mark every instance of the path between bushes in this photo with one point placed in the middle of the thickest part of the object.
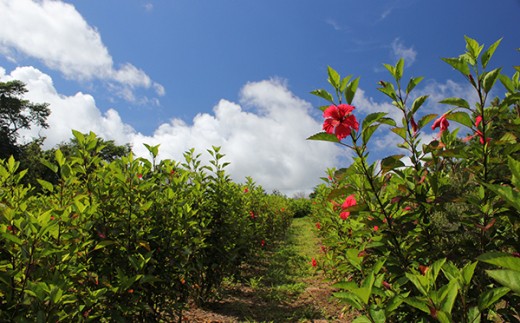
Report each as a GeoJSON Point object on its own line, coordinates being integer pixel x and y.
{"type": "Point", "coordinates": [281, 286]}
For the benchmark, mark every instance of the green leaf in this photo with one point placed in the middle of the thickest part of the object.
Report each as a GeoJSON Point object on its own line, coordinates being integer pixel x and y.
{"type": "Point", "coordinates": [49, 165]}
{"type": "Point", "coordinates": [373, 117]}
{"type": "Point", "coordinates": [378, 315]}
{"type": "Point", "coordinates": [323, 136]}
{"type": "Point", "coordinates": [458, 102]}
{"type": "Point", "coordinates": [490, 297]}
{"type": "Point", "coordinates": [11, 238]}
{"type": "Point", "coordinates": [368, 132]}
{"type": "Point", "coordinates": [323, 94]}
{"type": "Point", "coordinates": [514, 166]}
{"type": "Point", "coordinates": [417, 103]}
{"type": "Point", "coordinates": [46, 185]}
{"type": "Point", "coordinates": [351, 89]}
{"type": "Point", "coordinates": [350, 298]}
{"type": "Point", "coordinates": [490, 78]}
{"type": "Point", "coordinates": [334, 78]}
{"type": "Point", "coordinates": [507, 82]}
{"type": "Point", "coordinates": [507, 193]}
{"type": "Point", "coordinates": [474, 315]}
{"type": "Point", "coordinates": [103, 244]}
{"type": "Point", "coordinates": [458, 64]}
{"type": "Point", "coordinates": [448, 295]}
{"type": "Point", "coordinates": [426, 119]}
{"type": "Point", "coordinates": [444, 317]}
{"type": "Point", "coordinates": [394, 302]}
{"type": "Point", "coordinates": [461, 117]}
{"type": "Point", "coordinates": [413, 83]}
{"type": "Point", "coordinates": [58, 155]}
{"type": "Point", "coordinates": [362, 319]}
{"type": "Point", "coordinates": [399, 131]}
{"type": "Point", "coordinates": [507, 277]}
{"type": "Point", "coordinates": [418, 304]}
{"type": "Point", "coordinates": [501, 259]}
{"type": "Point", "coordinates": [468, 271]}
{"type": "Point", "coordinates": [473, 47]}
{"type": "Point", "coordinates": [399, 69]}
{"type": "Point", "coordinates": [391, 162]}
{"type": "Point", "coordinates": [486, 56]}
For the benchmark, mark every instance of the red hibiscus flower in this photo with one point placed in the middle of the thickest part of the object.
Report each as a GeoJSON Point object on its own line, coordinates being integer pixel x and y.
{"type": "Point", "coordinates": [441, 123]}
{"type": "Point", "coordinates": [314, 263]}
{"type": "Point", "coordinates": [339, 120]}
{"type": "Point", "coordinates": [349, 201]}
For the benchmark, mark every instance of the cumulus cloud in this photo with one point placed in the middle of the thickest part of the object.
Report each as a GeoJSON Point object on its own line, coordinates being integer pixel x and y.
{"type": "Point", "coordinates": [55, 33]}
{"type": "Point", "coordinates": [263, 135]}
{"type": "Point", "coordinates": [399, 50]}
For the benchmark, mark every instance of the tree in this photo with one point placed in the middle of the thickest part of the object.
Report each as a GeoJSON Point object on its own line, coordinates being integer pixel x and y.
{"type": "Point", "coordinates": [15, 114]}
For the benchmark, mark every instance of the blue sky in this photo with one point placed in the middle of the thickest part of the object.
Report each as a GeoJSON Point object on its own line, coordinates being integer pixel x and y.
{"type": "Point", "coordinates": [235, 73]}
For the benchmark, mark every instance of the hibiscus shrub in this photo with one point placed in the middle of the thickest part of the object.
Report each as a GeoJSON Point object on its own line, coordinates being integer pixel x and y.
{"type": "Point", "coordinates": [126, 240]}
{"type": "Point", "coordinates": [449, 205]}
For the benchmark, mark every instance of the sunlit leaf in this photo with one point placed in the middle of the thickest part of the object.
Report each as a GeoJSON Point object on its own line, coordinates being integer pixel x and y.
{"type": "Point", "coordinates": [323, 136]}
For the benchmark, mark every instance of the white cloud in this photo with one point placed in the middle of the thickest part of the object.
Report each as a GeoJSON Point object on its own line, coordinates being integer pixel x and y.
{"type": "Point", "coordinates": [263, 137]}
{"type": "Point", "coordinates": [55, 33]}
{"type": "Point", "coordinates": [148, 6]}
{"type": "Point", "coordinates": [399, 50]}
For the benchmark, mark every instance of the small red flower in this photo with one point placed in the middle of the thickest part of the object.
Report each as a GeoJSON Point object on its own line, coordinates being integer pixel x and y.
{"type": "Point", "coordinates": [314, 263]}
{"type": "Point", "coordinates": [339, 120]}
{"type": "Point", "coordinates": [101, 235]}
{"type": "Point", "coordinates": [130, 291]}
{"type": "Point", "coordinates": [318, 225]}
{"type": "Point", "coordinates": [423, 269]}
{"type": "Point", "coordinates": [441, 123]}
{"type": "Point", "coordinates": [344, 215]}
{"type": "Point", "coordinates": [386, 285]}
{"type": "Point", "coordinates": [252, 214]}
{"type": "Point", "coordinates": [262, 243]}
{"type": "Point", "coordinates": [140, 176]}
{"type": "Point", "coordinates": [323, 249]}
{"type": "Point", "coordinates": [246, 190]}
{"type": "Point", "coordinates": [376, 228]}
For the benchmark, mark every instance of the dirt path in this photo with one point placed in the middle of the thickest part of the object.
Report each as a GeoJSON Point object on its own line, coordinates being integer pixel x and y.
{"type": "Point", "coordinates": [281, 287]}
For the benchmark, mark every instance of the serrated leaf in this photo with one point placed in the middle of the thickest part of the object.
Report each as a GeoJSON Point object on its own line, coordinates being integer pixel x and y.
{"type": "Point", "coordinates": [486, 56]}
{"type": "Point", "coordinates": [458, 102]}
{"type": "Point", "coordinates": [323, 136]}
{"type": "Point", "coordinates": [417, 103]}
{"type": "Point", "coordinates": [461, 117]}
{"type": "Point", "coordinates": [323, 94]}
{"type": "Point", "coordinates": [490, 297]}
{"type": "Point", "coordinates": [507, 278]}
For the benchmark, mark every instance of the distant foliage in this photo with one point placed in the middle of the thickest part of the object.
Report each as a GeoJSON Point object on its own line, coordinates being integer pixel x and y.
{"type": "Point", "coordinates": [125, 239]}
